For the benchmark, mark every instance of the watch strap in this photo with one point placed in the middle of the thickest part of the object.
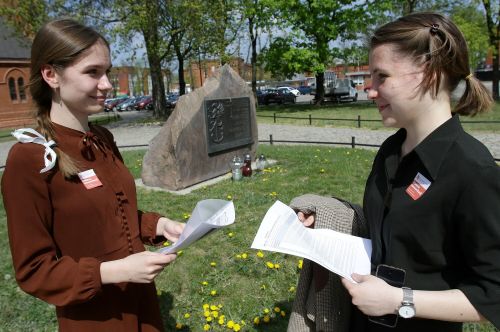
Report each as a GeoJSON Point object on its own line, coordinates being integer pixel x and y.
{"type": "Point", "coordinates": [407, 296]}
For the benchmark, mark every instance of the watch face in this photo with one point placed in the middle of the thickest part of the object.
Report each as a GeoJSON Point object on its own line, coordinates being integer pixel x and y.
{"type": "Point", "coordinates": [407, 311]}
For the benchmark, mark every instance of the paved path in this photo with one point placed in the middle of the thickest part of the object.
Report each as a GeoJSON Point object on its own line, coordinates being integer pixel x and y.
{"type": "Point", "coordinates": [127, 134]}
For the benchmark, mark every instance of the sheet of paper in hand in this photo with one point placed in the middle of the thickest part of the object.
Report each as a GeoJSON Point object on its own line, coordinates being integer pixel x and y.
{"type": "Point", "coordinates": [209, 214]}
{"type": "Point", "coordinates": [282, 231]}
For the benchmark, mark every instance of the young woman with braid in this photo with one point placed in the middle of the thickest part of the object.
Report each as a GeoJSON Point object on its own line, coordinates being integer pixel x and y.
{"type": "Point", "coordinates": [432, 198]}
{"type": "Point", "coordinates": [75, 232]}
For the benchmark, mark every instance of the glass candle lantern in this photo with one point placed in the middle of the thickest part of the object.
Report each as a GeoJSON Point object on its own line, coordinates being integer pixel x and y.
{"type": "Point", "coordinates": [261, 163]}
{"type": "Point", "coordinates": [236, 163]}
{"type": "Point", "coordinates": [246, 170]}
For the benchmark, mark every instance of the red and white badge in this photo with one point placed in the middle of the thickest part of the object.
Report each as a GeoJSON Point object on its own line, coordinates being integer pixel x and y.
{"type": "Point", "coordinates": [418, 187]}
{"type": "Point", "coordinates": [89, 179]}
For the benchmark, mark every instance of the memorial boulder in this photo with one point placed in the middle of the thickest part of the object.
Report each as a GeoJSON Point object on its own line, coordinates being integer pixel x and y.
{"type": "Point", "coordinates": [207, 128]}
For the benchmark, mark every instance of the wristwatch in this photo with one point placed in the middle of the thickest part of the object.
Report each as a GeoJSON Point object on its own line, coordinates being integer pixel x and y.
{"type": "Point", "coordinates": [407, 309]}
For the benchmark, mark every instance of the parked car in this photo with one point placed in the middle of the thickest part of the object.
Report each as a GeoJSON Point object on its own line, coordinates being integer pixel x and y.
{"type": "Point", "coordinates": [304, 89]}
{"type": "Point", "coordinates": [172, 100]}
{"type": "Point", "coordinates": [145, 103]}
{"type": "Point", "coordinates": [110, 104]}
{"type": "Point", "coordinates": [127, 105]}
{"type": "Point", "coordinates": [345, 89]}
{"type": "Point", "coordinates": [289, 89]}
{"type": "Point", "coordinates": [275, 96]}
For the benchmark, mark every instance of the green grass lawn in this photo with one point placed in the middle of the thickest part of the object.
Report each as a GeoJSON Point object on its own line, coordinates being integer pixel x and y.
{"type": "Point", "coordinates": [346, 115]}
{"type": "Point", "coordinates": [220, 276]}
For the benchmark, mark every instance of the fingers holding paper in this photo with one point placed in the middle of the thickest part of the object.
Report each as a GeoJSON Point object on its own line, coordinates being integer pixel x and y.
{"type": "Point", "coordinates": [306, 219]}
{"type": "Point", "coordinates": [170, 229]}
{"type": "Point", "coordinates": [372, 295]}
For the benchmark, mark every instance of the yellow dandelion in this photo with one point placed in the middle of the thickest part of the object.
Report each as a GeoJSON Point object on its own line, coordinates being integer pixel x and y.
{"type": "Point", "coordinates": [276, 266]}
{"type": "Point", "coordinates": [299, 265]}
{"type": "Point", "coordinates": [291, 289]}
{"type": "Point", "coordinates": [236, 327]}
{"type": "Point", "coordinates": [264, 179]}
{"type": "Point", "coordinates": [158, 292]}
{"type": "Point", "coordinates": [213, 292]}
{"type": "Point", "coordinates": [230, 324]}
{"type": "Point", "coordinates": [229, 197]}
{"type": "Point", "coordinates": [204, 283]}
{"type": "Point", "coordinates": [266, 319]}
{"type": "Point", "coordinates": [322, 170]}
{"type": "Point", "coordinates": [206, 313]}
{"type": "Point", "coordinates": [277, 309]}
{"type": "Point", "coordinates": [221, 321]}
{"type": "Point", "coordinates": [266, 311]}
{"type": "Point", "coordinates": [180, 252]}
{"type": "Point", "coordinates": [187, 315]}
{"type": "Point", "coordinates": [256, 320]}
{"type": "Point", "coordinates": [214, 307]}
{"type": "Point", "coordinates": [244, 255]}
{"type": "Point", "coordinates": [260, 254]}
{"type": "Point", "coordinates": [209, 319]}
{"type": "Point", "coordinates": [178, 326]}
{"type": "Point", "coordinates": [238, 256]}
{"type": "Point", "coordinates": [206, 306]}
{"type": "Point", "coordinates": [230, 234]}
{"type": "Point", "coordinates": [215, 314]}
{"type": "Point", "coordinates": [206, 327]}
{"type": "Point", "coordinates": [348, 152]}
{"type": "Point", "coordinates": [270, 265]}
{"type": "Point", "coordinates": [283, 313]}
{"type": "Point", "coordinates": [213, 264]}
{"type": "Point", "coordinates": [166, 244]}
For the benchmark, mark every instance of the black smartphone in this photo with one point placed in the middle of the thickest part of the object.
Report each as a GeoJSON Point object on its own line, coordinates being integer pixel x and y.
{"type": "Point", "coordinates": [395, 277]}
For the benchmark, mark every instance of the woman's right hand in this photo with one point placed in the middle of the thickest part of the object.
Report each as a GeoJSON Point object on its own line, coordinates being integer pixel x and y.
{"type": "Point", "coordinates": [142, 267]}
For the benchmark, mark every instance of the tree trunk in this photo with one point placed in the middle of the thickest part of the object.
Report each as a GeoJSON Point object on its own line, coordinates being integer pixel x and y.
{"type": "Point", "coordinates": [496, 74]}
{"type": "Point", "coordinates": [159, 101]}
{"type": "Point", "coordinates": [253, 38]}
{"type": "Point", "coordinates": [182, 80]}
{"type": "Point", "coordinates": [320, 88]}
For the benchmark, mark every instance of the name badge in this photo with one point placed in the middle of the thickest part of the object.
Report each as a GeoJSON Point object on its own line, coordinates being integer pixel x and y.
{"type": "Point", "coordinates": [89, 179]}
{"type": "Point", "coordinates": [418, 187]}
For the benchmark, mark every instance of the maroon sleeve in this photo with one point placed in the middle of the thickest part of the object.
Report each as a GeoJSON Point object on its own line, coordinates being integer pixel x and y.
{"type": "Point", "coordinates": [38, 268]}
{"type": "Point", "coordinates": [147, 224]}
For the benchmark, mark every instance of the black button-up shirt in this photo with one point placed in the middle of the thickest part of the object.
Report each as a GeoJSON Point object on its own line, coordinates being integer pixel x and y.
{"type": "Point", "coordinates": [443, 227]}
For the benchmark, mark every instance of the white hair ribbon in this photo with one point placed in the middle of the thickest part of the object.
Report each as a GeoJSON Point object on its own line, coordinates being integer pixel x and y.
{"type": "Point", "coordinates": [20, 135]}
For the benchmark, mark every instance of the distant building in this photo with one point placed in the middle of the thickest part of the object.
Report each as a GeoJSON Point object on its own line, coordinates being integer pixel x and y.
{"type": "Point", "coordinates": [197, 72]}
{"type": "Point", "coordinates": [16, 104]}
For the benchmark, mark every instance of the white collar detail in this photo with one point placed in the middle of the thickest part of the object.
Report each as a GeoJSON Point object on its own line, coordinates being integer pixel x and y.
{"type": "Point", "coordinates": [20, 135]}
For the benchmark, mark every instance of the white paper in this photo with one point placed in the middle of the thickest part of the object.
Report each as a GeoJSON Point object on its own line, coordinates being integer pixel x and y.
{"type": "Point", "coordinates": [208, 214]}
{"type": "Point", "coordinates": [343, 254]}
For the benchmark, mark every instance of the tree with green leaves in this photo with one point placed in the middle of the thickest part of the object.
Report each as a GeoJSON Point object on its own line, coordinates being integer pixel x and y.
{"type": "Point", "coordinates": [310, 27]}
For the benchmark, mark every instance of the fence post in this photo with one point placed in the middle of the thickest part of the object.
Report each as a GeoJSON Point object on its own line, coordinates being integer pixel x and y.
{"type": "Point", "coordinates": [271, 139]}
{"type": "Point", "coordinates": [359, 121]}
{"type": "Point", "coordinates": [310, 120]}
{"type": "Point", "coordinates": [274, 117]}
{"type": "Point", "coordinates": [353, 142]}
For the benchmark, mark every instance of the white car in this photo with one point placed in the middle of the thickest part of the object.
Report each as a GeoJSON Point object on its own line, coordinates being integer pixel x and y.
{"type": "Point", "coordinates": [289, 89]}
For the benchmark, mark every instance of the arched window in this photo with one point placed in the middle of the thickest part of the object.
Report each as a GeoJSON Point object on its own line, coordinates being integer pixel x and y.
{"type": "Point", "coordinates": [20, 87]}
{"type": "Point", "coordinates": [12, 89]}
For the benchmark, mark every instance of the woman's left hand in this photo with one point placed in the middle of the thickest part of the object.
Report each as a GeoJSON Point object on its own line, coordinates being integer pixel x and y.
{"type": "Point", "coordinates": [170, 229]}
{"type": "Point", "coordinates": [372, 295]}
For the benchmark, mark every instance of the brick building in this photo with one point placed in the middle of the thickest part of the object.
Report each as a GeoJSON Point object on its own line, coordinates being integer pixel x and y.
{"type": "Point", "coordinates": [15, 102]}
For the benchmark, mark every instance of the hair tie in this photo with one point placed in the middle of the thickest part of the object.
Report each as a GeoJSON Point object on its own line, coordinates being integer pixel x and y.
{"type": "Point", "coordinates": [468, 76]}
{"type": "Point", "coordinates": [38, 138]}
{"type": "Point", "coordinates": [434, 28]}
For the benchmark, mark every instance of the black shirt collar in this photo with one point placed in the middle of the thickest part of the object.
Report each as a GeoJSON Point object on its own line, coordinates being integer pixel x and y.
{"type": "Point", "coordinates": [433, 148]}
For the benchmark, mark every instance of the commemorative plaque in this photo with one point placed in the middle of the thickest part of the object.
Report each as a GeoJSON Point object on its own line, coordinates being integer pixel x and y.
{"type": "Point", "coordinates": [228, 123]}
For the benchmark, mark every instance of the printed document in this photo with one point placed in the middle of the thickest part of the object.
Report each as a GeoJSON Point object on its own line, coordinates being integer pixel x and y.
{"type": "Point", "coordinates": [343, 254]}
{"type": "Point", "coordinates": [209, 214]}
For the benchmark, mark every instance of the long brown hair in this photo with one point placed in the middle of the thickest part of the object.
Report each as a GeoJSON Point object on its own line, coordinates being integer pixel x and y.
{"type": "Point", "coordinates": [437, 42]}
{"type": "Point", "coordinates": [58, 43]}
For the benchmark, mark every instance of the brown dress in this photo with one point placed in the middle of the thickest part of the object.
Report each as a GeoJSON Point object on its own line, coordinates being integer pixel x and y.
{"type": "Point", "coordinates": [60, 232]}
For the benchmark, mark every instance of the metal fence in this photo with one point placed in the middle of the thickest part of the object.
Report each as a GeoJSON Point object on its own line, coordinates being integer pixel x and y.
{"type": "Point", "coordinates": [358, 120]}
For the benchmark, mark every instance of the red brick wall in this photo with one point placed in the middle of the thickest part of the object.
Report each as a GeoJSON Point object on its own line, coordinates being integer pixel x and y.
{"type": "Point", "coordinates": [15, 112]}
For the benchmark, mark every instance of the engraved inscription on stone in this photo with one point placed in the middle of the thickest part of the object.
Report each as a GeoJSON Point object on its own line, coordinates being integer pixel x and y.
{"type": "Point", "coordinates": [228, 123]}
